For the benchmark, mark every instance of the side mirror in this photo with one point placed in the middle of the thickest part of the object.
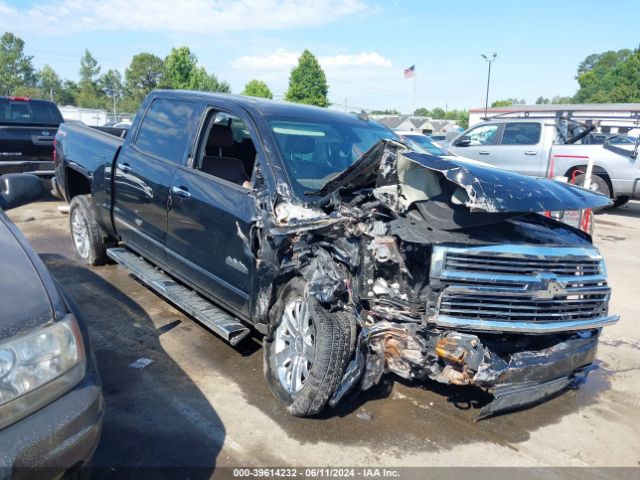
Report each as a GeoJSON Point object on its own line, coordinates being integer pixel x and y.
{"type": "Point", "coordinates": [17, 189]}
{"type": "Point", "coordinates": [462, 141]}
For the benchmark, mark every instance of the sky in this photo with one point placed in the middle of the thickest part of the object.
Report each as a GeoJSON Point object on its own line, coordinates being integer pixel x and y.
{"type": "Point", "coordinates": [363, 45]}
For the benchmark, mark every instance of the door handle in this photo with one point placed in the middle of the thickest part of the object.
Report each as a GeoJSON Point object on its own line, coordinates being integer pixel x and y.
{"type": "Point", "coordinates": [530, 152]}
{"type": "Point", "coordinates": [484, 152]}
{"type": "Point", "coordinates": [124, 167]}
{"type": "Point", "coordinates": [181, 192]}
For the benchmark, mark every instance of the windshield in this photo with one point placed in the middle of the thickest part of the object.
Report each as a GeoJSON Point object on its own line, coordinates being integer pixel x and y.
{"type": "Point", "coordinates": [315, 152]}
{"type": "Point", "coordinates": [425, 143]}
{"type": "Point", "coordinates": [28, 112]}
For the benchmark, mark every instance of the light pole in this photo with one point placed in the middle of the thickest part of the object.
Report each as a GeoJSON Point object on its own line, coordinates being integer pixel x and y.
{"type": "Point", "coordinates": [486, 99]}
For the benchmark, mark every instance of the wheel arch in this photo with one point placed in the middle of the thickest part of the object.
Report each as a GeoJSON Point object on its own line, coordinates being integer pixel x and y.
{"type": "Point", "coordinates": [597, 170]}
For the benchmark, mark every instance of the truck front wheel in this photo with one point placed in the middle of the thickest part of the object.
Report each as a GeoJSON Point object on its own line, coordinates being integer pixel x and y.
{"type": "Point", "coordinates": [88, 238]}
{"type": "Point", "coordinates": [307, 352]}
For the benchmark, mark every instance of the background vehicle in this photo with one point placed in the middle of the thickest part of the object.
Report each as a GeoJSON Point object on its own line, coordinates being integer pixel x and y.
{"type": "Point", "coordinates": [27, 129]}
{"type": "Point", "coordinates": [538, 147]}
{"type": "Point", "coordinates": [595, 138]}
{"type": "Point", "coordinates": [51, 403]}
{"type": "Point", "coordinates": [422, 140]}
{"type": "Point", "coordinates": [315, 228]}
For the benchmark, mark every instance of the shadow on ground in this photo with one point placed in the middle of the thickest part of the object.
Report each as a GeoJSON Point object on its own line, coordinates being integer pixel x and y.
{"type": "Point", "coordinates": [156, 417]}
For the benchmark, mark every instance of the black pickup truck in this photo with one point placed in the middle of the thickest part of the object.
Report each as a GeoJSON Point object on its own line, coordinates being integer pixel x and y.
{"type": "Point", "coordinates": [27, 129]}
{"type": "Point", "coordinates": [353, 253]}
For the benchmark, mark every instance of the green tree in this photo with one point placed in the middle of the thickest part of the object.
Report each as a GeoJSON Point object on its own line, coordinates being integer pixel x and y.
{"type": "Point", "coordinates": [422, 112]}
{"type": "Point", "coordinates": [508, 102]}
{"type": "Point", "coordinates": [386, 111]}
{"type": "Point", "coordinates": [609, 77]}
{"type": "Point", "coordinates": [257, 88]}
{"type": "Point", "coordinates": [68, 93]}
{"type": "Point", "coordinates": [463, 119]}
{"type": "Point", "coordinates": [307, 82]}
{"type": "Point", "coordinates": [542, 101]}
{"type": "Point", "coordinates": [560, 100]}
{"type": "Point", "coordinates": [180, 66]}
{"type": "Point", "coordinates": [143, 75]}
{"type": "Point", "coordinates": [89, 93]}
{"type": "Point", "coordinates": [438, 113]}
{"type": "Point", "coordinates": [208, 82]}
{"type": "Point", "coordinates": [181, 71]}
{"type": "Point", "coordinates": [111, 86]}
{"type": "Point", "coordinates": [49, 82]}
{"type": "Point", "coordinates": [16, 68]}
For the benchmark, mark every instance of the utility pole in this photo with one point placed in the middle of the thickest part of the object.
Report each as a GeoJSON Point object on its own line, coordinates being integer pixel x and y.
{"type": "Point", "coordinates": [486, 98]}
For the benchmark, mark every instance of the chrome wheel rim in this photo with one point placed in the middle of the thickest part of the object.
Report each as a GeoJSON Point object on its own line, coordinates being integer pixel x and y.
{"type": "Point", "coordinates": [80, 234]}
{"type": "Point", "coordinates": [295, 346]}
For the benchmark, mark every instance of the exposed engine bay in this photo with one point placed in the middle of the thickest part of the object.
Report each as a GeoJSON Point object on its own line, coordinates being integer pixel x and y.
{"type": "Point", "coordinates": [449, 271]}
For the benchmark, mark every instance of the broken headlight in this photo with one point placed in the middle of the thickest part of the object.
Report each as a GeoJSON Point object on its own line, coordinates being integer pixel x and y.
{"type": "Point", "coordinates": [39, 367]}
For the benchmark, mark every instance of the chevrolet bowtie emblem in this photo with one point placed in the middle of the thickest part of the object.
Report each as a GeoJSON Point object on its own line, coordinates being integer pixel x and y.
{"type": "Point", "coordinates": [548, 288]}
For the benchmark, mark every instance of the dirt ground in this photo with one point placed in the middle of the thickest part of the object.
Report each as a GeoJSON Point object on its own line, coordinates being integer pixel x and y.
{"type": "Point", "coordinates": [202, 403]}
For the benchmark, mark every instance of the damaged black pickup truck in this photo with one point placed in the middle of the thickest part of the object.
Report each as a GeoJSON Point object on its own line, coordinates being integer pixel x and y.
{"type": "Point", "coordinates": [352, 253]}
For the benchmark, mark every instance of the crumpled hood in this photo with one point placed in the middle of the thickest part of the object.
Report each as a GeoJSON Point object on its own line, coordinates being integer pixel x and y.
{"type": "Point", "coordinates": [401, 177]}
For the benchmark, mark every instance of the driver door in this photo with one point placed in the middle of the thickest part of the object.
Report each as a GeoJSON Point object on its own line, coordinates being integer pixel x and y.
{"type": "Point", "coordinates": [211, 214]}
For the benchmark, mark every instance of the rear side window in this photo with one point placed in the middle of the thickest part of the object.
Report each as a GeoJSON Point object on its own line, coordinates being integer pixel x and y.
{"type": "Point", "coordinates": [28, 112]}
{"type": "Point", "coordinates": [165, 130]}
{"type": "Point", "coordinates": [521, 133]}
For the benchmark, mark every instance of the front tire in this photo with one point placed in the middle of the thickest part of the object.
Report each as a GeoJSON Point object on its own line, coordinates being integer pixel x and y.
{"type": "Point", "coordinates": [88, 237]}
{"type": "Point", "coordinates": [306, 354]}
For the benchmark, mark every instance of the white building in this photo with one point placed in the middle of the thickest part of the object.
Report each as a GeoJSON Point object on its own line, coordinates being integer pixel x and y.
{"type": "Point", "coordinates": [88, 116]}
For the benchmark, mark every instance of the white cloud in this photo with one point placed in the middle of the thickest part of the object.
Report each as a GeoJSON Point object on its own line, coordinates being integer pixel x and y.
{"type": "Point", "coordinates": [283, 59]}
{"type": "Point", "coordinates": [59, 17]}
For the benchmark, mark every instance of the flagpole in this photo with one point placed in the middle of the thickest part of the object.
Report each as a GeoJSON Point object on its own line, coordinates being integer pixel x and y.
{"type": "Point", "coordinates": [415, 78]}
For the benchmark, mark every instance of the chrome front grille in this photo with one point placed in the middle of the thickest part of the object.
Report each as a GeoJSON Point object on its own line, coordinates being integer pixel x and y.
{"type": "Point", "coordinates": [464, 262]}
{"type": "Point", "coordinates": [520, 288]}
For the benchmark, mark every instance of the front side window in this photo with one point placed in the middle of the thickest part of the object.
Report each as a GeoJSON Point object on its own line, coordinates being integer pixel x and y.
{"type": "Point", "coordinates": [315, 151]}
{"type": "Point", "coordinates": [483, 135]}
{"type": "Point", "coordinates": [226, 150]}
{"type": "Point", "coordinates": [164, 132]}
{"type": "Point", "coordinates": [521, 133]}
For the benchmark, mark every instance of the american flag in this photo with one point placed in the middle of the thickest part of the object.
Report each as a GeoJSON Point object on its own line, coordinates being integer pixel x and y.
{"type": "Point", "coordinates": [410, 72]}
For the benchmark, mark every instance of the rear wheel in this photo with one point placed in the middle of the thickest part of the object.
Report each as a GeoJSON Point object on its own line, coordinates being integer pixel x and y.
{"type": "Point", "coordinates": [620, 201]}
{"type": "Point", "coordinates": [88, 238]}
{"type": "Point", "coordinates": [598, 184]}
{"type": "Point", "coordinates": [308, 351]}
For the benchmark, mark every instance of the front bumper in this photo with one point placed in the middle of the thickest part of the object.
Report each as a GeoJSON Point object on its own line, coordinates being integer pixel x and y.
{"type": "Point", "coordinates": [531, 377]}
{"type": "Point", "coordinates": [515, 380]}
{"type": "Point", "coordinates": [59, 437]}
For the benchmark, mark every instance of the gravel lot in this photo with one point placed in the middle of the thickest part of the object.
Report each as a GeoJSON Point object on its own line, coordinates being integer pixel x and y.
{"type": "Point", "coordinates": [202, 403]}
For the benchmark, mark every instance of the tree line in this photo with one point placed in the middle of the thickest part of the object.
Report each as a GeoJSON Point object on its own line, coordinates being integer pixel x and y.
{"type": "Point", "coordinates": [111, 90]}
{"type": "Point", "coordinates": [608, 77]}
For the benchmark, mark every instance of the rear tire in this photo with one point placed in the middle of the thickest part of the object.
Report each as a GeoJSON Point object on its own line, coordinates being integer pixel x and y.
{"type": "Point", "coordinates": [620, 201]}
{"type": "Point", "coordinates": [307, 352]}
{"type": "Point", "coordinates": [598, 184]}
{"type": "Point", "coordinates": [88, 237]}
